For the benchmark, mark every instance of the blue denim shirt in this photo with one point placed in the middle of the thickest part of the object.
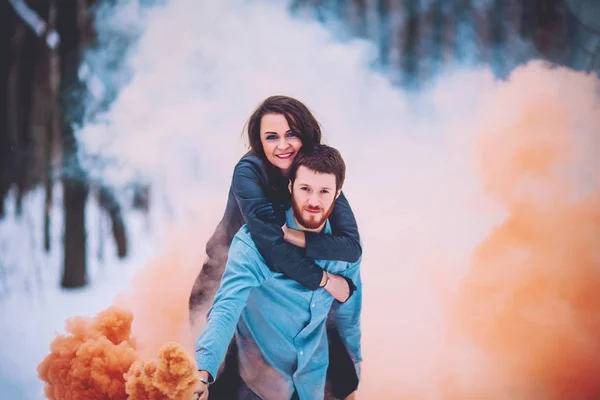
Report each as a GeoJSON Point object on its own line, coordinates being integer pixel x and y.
{"type": "Point", "coordinates": [279, 325]}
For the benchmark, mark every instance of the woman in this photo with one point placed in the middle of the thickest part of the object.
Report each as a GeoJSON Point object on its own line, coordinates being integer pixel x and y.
{"type": "Point", "coordinates": [279, 128]}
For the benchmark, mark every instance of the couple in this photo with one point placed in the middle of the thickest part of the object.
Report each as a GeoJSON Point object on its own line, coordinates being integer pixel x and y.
{"type": "Point", "coordinates": [289, 279]}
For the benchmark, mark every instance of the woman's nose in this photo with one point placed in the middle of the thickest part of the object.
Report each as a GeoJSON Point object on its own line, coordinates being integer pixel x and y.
{"type": "Point", "coordinates": [283, 143]}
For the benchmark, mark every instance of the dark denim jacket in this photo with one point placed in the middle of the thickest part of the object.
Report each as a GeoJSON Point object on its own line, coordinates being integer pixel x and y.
{"type": "Point", "coordinates": [259, 197]}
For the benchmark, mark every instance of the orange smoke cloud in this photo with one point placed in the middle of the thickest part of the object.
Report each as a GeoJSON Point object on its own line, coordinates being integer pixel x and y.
{"type": "Point", "coordinates": [90, 361]}
{"type": "Point", "coordinates": [173, 375]}
{"type": "Point", "coordinates": [531, 301]}
{"type": "Point", "coordinates": [160, 293]}
{"type": "Point", "coordinates": [97, 359]}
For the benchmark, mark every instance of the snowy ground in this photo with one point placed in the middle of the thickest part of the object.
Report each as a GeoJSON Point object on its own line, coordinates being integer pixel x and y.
{"type": "Point", "coordinates": [412, 176]}
{"type": "Point", "coordinates": [33, 308]}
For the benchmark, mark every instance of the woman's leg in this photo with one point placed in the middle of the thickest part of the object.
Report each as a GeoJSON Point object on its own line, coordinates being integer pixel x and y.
{"type": "Point", "coordinates": [228, 381]}
{"type": "Point", "coordinates": [341, 373]}
{"type": "Point", "coordinates": [208, 279]}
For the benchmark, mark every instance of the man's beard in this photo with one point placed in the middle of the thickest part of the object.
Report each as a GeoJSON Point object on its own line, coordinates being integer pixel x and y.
{"type": "Point", "coordinates": [312, 222]}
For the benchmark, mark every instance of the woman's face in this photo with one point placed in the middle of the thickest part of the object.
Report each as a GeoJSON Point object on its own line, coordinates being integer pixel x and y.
{"type": "Point", "coordinates": [279, 143]}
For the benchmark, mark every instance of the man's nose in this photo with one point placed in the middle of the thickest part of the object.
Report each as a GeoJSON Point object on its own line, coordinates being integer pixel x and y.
{"type": "Point", "coordinates": [314, 201]}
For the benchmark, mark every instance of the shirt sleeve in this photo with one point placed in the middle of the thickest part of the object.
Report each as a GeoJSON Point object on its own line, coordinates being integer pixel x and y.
{"type": "Point", "coordinates": [344, 242]}
{"type": "Point", "coordinates": [346, 317]}
{"type": "Point", "coordinates": [242, 273]}
{"type": "Point", "coordinates": [266, 232]}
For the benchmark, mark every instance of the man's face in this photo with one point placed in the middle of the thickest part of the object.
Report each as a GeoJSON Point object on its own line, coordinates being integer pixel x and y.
{"type": "Point", "coordinates": [313, 197]}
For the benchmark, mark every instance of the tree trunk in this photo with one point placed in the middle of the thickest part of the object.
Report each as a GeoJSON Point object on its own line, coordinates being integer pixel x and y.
{"type": "Point", "coordinates": [111, 206]}
{"type": "Point", "coordinates": [384, 31]}
{"type": "Point", "coordinates": [439, 23]}
{"type": "Point", "coordinates": [73, 177]}
{"type": "Point", "coordinates": [13, 100]}
{"type": "Point", "coordinates": [52, 127]}
{"type": "Point", "coordinates": [410, 43]}
{"type": "Point", "coordinates": [497, 37]}
{"type": "Point", "coordinates": [30, 50]}
{"type": "Point", "coordinates": [357, 17]}
{"type": "Point", "coordinates": [7, 26]}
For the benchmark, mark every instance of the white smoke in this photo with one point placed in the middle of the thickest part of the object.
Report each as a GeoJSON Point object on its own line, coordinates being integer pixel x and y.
{"type": "Point", "coordinates": [198, 71]}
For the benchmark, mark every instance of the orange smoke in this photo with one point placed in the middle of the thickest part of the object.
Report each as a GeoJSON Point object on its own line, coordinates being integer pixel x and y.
{"type": "Point", "coordinates": [160, 293]}
{"type": "Point", "coordinates": [173, 375]}
{"type": "Point", "coordinates": [97, 360]}
{"type": "Point", "coordinates": [90, 361]}
{"type": "Point", "coordinates": [531, 300]}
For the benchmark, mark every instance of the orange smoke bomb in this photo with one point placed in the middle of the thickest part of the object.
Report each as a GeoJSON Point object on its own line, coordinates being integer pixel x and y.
{"type": "Point", "coordinates": [89, 362]}
{"type": "Point", "coordinates": [97, 359]}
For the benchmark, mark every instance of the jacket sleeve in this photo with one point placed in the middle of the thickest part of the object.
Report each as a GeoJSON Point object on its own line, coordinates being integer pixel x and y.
{"type": "Point", "coordinates": [344, 243]}
{"type": "Point", "coordinates": [265, 228]}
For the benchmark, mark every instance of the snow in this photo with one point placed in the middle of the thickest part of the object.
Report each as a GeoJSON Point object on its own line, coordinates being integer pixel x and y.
{"type": "Point", "coordinates": [177, 124]}
{"type": "Point", "coordinates": [33, 308]}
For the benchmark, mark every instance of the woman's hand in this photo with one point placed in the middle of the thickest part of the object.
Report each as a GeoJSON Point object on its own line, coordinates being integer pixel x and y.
{"type": "Point", "coordinates": [294, 236]}
{"type": "Point", "coordinates": [338, 287]}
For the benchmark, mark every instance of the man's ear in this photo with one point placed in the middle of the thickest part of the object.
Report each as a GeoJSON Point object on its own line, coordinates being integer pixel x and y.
{"type": "Point", "coordinates": [338, 194]}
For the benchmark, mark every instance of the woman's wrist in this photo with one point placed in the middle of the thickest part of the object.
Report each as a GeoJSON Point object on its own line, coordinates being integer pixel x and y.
{"type": "Point", "coordinates": [294, 236]}
{"type": "Point", "coordinates": [324, 279]}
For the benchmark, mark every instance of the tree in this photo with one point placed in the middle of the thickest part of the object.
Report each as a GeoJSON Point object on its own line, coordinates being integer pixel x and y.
{"type": "Point", "coordinates": [69, 27]}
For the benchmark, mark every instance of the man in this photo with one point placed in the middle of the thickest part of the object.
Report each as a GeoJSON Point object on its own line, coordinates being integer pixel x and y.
{"type": "Point", "coordinates": [280, 326]}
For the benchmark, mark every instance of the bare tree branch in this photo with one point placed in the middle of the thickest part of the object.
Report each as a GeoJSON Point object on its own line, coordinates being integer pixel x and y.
{"type": "Point", "coordinates": [581, 23]}
{"type": "Point", "coordinates": [594, 58]}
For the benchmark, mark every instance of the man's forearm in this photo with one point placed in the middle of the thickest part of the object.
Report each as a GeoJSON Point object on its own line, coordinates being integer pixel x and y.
{"type": "Point", "coordinates": [207, 361]}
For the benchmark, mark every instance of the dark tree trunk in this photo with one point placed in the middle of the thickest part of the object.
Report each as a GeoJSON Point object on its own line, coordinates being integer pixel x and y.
{"type": "Point", "coordinates": [358, 17]}
{"type": "Point", "coordinates": [29, 52]}
{"type": "Point", "coordinates": [73, 177]}
{"type": "Point", "coordinates": [51, 128]}
{"type": "Point", "coordinates": [497, 36]}
{"type": "Point", "coordinates": [384, 31]}
{"type": "Point", "coordinates": [438, 21]}
{"type": "Point", "coordinates": [111, 206]}
{"type": "Point", "coordinates": [7, 27]}
{"type": "Point", "coordinates": [410, 42]}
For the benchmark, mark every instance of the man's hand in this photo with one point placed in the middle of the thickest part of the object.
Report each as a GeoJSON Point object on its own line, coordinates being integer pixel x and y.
{"type": "Point", "coordinates": [201, 391]}
{"type": "Point", "coordinates": [338, 288]}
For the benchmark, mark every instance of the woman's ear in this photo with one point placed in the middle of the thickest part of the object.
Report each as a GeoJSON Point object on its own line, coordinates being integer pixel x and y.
{"type": "Point", "coordinates": [290, 186]}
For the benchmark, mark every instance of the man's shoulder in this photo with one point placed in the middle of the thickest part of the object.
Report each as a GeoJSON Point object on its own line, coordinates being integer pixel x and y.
{"type": "Point", "coordinates": [243, 245]}
{"type": "Point", "coordinates": [244, 254]}
{"type": "Point", "coordinates": [243, 239]}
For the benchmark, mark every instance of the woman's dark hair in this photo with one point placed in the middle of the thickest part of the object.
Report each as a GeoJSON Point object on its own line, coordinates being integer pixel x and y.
{"type": "Point", "coordinates": [298, 116]}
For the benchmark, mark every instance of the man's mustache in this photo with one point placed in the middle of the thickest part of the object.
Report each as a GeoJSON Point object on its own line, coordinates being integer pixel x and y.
{"type": "Point", "coordinates": [313, 208]}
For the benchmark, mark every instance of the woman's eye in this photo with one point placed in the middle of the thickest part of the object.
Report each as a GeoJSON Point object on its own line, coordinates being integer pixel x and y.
{"type": "Point", "coordinates": [271, 137]}
{"type": "Point", "coordinates": [292, 134]}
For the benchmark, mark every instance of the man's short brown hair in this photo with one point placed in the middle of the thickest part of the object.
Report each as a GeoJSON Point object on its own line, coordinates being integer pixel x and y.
{"type": "Point", "coordinates": [322, 159]}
